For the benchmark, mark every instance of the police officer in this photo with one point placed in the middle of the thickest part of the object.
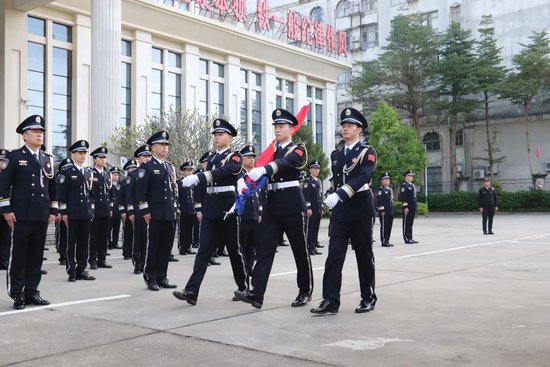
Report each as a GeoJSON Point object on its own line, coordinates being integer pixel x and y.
{"type": "Point", "coordinates": [488, 205]}
{"type": "Point", "coordinates": [386, 210]}
{"type": "Point", "coordinates": [313, 194]}
{"type": "Point", "coordinates": [99, 231]}
{"type": "Point", "coordinates": [282, 213]}
{"type": "Point", "coordinates": [220, 179]}
{"type": "Point", "coordinates": [408, 198]}
{"type": "Point", "coordinates": [351, 219]}
{"type": "Point", "coordinates": [5, 230]}
{"type": "Point", "coordinates": [157, 199]}
{"type": "Point", "coordinates": [116, 209]}
{"type": "Point", "coordinates": [28, 201]}
{"type": "Point", "coordinates": [186, 212]}
{"type": "Point", "coordinates": [60, 228]}
{"type": "Point", "coordinates": [126, 207]}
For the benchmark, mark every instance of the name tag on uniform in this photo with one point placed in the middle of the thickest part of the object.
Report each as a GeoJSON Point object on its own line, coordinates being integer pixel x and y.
{"type": "Point", "coordinates": [74, 177]}
{"type": "Point", "coordinates": [22, 163]}
{"type": "Point", "coordinates": [95, 179]}
{"type": "Point", "coordinates": [156, 172]}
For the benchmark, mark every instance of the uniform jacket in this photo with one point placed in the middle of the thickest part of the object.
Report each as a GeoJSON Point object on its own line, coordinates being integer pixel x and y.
{"type": "Point", "coordinates": [384, 200]}
{"type": "Point", "coordinates": [27, 187]}
{"type": "Point", "coordinates": [101, 192]}
{"type": "Point", "coordinates": [407, 194]}
{"type": "Point", "coordinates": [185, 199]}
{"type": "Point", "coordinates": [252, 206]}
{"type": "Point", "coordinates": [75, 195]}
{"type": "Point", "coordinates": [487, 197]}
{"type": "Point", "coordinates": [313, 194]}
{"type": "Point", "coordinates": [116, 193]}
{"type": "Point", "coordinates": [156, 190]}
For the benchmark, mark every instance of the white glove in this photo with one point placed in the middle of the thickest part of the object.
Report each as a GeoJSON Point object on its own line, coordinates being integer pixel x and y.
{"type": "Point", "coordinates": [241, 185]}
{"type": "Point", "coordinates": [190, 180]}
{"type": "Point", "coordinates": [332, 200]}
{"type": "Point", "coordinates": [256, 173]}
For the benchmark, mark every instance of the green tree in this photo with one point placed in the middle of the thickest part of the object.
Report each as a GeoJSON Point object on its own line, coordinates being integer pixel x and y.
{"type": "Point", "coordinates": [403, 76]}
{"type": "Point", "coordinates": [457, 71]}
{"type": "Point", "coordinates": [397, 146]}
{"type": "Point", "coordinates": [529, 79]}
{"type": "Point", "coordinates": [490, 74]}
{"type": "Point", "coordinates": [314, 151]}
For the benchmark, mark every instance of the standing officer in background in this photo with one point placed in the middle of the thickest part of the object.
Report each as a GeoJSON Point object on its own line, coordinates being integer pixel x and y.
{"type": "Point", "coordinates": [101, 192]}
{"type": "Point", "coordinates": [125, 208]}
{"type": "Point", "coordinates": [60, 228]}
{"type": "Point", "coordinates": [157, 198]}
{"type": "Point", "coordinates": [408, 198]}
{"type": "Point", "coordinates": [220, 179]}
{"type": "Point", "coordinates": [282, 213]}
{"type": "Point", "coordinates": [186, 212]}
{"type": "Point", "coordinates": [116, 208]}
{"type": "Point", "coordinates": [351, 219]}
{"type": "Point", "coordinates": [313, 194]}
{"type": "Point", "coordinates": [28, 201]}
{"type": "Point", "coordinates": [5, 230]}
{"type": "Point", "coordinates": [487, 202]}
{"type": "Point", "coordinates": [76, 206]}
{"type": "Point", "coordinates": [386, 210]}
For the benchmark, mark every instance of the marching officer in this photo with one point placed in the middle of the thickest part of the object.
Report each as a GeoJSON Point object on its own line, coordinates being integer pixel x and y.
{"type": "Point", "coordinates": [386, 210]}
{"type": "Point", "coordinates": [126, 207]}
{"type": "Point", "coordinates": [282, 213]}
{"type": "Point", "coordinates": [157, 200]}
{"type": "Point", "coordinates": [331, 189]}
{"type": "Point", "coordinates": [76, 206]}
{"type": "Point", "coordinates": [313, 194]}
{"type": "Point", "coordinates": [187, 212]}
{"type": "Point", "coordinates": [220, 179]}
{"type": "Point", "coordinates": [408, 198]}
{"type": "Point", "coordinates": [28, 201]}
{"type": "Point", "coordinates": [101, 192]}
{"type": "Point", "coordinates": [488, 205]}
{"type": "Point", "coordinates": [116, 209]}
{"type": "Point", "coordinates": [351, 219]}
{"type": "Point", "coordinates": [5, 230]}
{"type": "Point", "coordinates": [61, 229]}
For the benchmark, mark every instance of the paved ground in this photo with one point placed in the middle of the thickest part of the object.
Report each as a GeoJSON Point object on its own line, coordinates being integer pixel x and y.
{"type": "Point", "coordinates": [457, 299]}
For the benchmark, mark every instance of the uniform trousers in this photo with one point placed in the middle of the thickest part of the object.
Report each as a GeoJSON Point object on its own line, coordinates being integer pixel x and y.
{"type": "Point", "coordinates": [185, 240]}
{"type": "Point", "coordinates": [213, 232]}
{"type": "Point", "coordinates": [5, 243]}
{"type": "Point", "coordinates": [61, 240]}
{"type": "Point", "coordinates": [386, 224]}
{"type": "Point", "coordinates": [26, 257]}
{"type": "Point", "coordinates": [77, 245]}
{"type": "Point", "coordinates": [313, 224]}
{"type": "Point", "coordinates": [99, 237]}
{"type": "Point", "coordinates": [128, 241]}
{"type": "Point", "coordinates": [160, 239]}
{"type": "Point", "coordinates": [139, 249]}
{"type": "Point", "coordinates": [360, 234]}
{"type": "Point", "coordinates": [115, 230]}
{"type": "Point", "coordinates": [271, 232]}
{"type": "Point", "coordinates": [487, 216]}
{"type": "Point", "coordinates": [248, 238]}
{"type": "Point", "coordinates": [408, 221]}
{"type": "Point", "coordinates": [196, 231]}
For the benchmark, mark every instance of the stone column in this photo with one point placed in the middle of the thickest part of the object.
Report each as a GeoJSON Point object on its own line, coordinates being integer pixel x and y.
{"type": "Point", "coordinates": [105, 70]}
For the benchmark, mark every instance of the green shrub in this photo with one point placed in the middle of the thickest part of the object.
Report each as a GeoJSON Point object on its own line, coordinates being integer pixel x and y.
{"type": "Point", "coordinates": [421, 209]}
{"type": "Point", "coordinates": [519, 201]}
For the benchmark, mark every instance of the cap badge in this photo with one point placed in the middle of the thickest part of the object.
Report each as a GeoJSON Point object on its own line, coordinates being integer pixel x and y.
{"type": "Point", "coordinates": [278, 113]}
{"type": "Point", "coordinates": [83, 143]}
{"type": "Point", "coordinates": [217, 122]}
{"type": "Point", "coordinates": [348, 112]}
{"type": "Point", "coordinates": [164, 134]}
{"type": "Point", "coordinates": [37, 119]}
{"type": "Point", "coordinates": [147, 147]}
{"type": "Point", "coordinates": [103, 150]}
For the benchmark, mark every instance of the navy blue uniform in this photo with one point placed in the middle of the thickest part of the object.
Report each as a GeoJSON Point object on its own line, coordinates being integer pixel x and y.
{"type": "Point", "coordinates": [386, 211]}
{"type": "Point", "coordinates": [27, 188]}
{"type": "Point", "coordinates": [118, 208]}
{"type": "Point", "coordinates": [407, 194]}
{"type": "Point", "coordinates": [187, 218]}
{"type": "Point", "coordinates": [219, 180]}
{"type": "Point", "coordinates": [99, 231]}
{"type": "Point", "coordinates": [139, 244]}
{"type": "Point", "coordinates": [249, 229]}
{"type": "Point", "coordinates": [351, 219]}
{"type": "Point", "coordinates": [487, 200]}
{"type": "Point", "coordinates": [313, 194]}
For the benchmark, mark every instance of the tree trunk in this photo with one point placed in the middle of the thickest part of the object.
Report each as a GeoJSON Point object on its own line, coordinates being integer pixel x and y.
{"type": "Point", "coordinates": [489, 138]}
{"type": "Point", "coordinates": [416, 122]}
{"type": "Point", "coordinates": [526, 118]}
{"type": "Point", "coordinates": [452, 133]}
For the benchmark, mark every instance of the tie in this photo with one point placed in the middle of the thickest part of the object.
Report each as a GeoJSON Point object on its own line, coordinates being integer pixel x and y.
{"type": "Point", "coordinates": [37, 157]}
{"type": "Point", "coordinates": [278, 146]}
{"type": "Point", "coordinates": [346, 152]}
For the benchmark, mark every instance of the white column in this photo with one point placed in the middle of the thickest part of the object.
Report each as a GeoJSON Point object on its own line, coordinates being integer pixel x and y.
{"type": "Point", "coordinates": [80, 124]}
{"type": "Point", "coordinates": [190, 65]}
{"type": "Point", "coordinates": [141, 70]}
{"type": "Point", "coordinates": [269, 82]}
{"type": "Point", "coordinates": [232, 85]}
{"type": "Point", "coordinates": [300, 95]}
{"type": "Point", "coordinates": [105, 70]}
{"type": "Point", "coordinates": [330, 116]}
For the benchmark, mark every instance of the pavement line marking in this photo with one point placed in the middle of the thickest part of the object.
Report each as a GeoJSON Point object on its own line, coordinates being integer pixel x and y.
{"type": "Point", "coordinates": [464, 247]}
{"type": "Point", "coordinates": [292, 272]}
{"type": "Point", "coordinates": [56, 305]}
{"type": "Point", "coordinates": [531, 243]}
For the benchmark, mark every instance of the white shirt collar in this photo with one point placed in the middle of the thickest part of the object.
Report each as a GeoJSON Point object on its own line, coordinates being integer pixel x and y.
{"type": "Point", "coordinates": [350, 147]}
{"type": "Point", "coordinates": [158, 160]}
{"type": "Point", "coordinates": [79, 167]}
{"type": "Point", "coordinates": [100, 170]}
{"type": "Point", "coordinates": [222, 151]}
{"type": "Point", "coordinates": [30, 150]}
{"type": "Point", "coordinates": [284, 145]}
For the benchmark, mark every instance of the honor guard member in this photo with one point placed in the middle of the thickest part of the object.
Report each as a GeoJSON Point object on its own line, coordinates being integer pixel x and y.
{"type": "Point", "coordinates": [28, 201]}
{"type": "Point", "coordinates": [157, 198]}
{"type": "Point", "coordinates": [251, 217]}
{"type": "Point", "coordinates": [220, 178]}
{"type": "Point", "coordinates": [352, 211]}
{"type": "Point", "coordinates": [313, 194]}
{"type": "Point", "coordinates": [407, 194]}
{"type": "Point", "coordinates": [282, 213]}
{"type": "Point", "coordinates": [114, 230]}
{"type": "Point", "coordinates": [386, 210]}
{"type": "Point", "coordinates": [5, 230]}
{"type": "Point", "coordinates": [186, 212]}
{"type": "Point", "coordinates": [101, 192]}
{"type": "Point", "coordinates": [126, 206]}
{"type": "Point", "coordinates": [61, 229]}
{"type": "Point", "coordinates": [76, 206]}
{"type": "Point", "coordinates": [487, 202]}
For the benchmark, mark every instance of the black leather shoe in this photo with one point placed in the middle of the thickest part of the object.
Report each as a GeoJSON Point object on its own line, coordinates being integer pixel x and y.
{"type": "Point", "coordinates": [318, 245]}
{"type": "Point", "coordinates": [485, 232]}
{"type": "Point", "coordinates": [409, 242]}
{"type": "Point", "coordinates": [183, 253]}
{"type": "Point", "coordinates": [62, 262]}
{"type": "Point", "coordinates": [195, 245]}
{"type": "Point", "coordinates": [93, 266]}
{"type": "Point", "coordinates": [173, 259]}
{"type": "Point", "coordinates": [84, 276]}
{"type": "Point", "coordinates": [386, 244]}
{"type": "Point", "coordinates": [185, 295]}
{"type": "Point", "coordinates": [18, 302]}
{"type": "Point", "coordinates": [43, 272]}
{"type": "Point", "coordinates": [126, 257]}
{"type": "Point", "coordinates": [301, 300]}
{"type": "Point", "coordinates": [213, 262]}
{"type": "Point", "coordinates": [104, 265]}
{"type": "Point", "coordinates": [389, 244]}
{"type": "Point", "coordinates": [164, 284]}
{"type": "Point", "coordinates": [72, 278]}
{"type": "Point", "coordinates": [491, 232]}
{"type": "Point", "coordinates": [413, 241]}
{"type": "Point", "coordinates": [249, 297]}
{"type": "Point", "coordinates": [223, 253]}
{"type": "Point", "coordinates": [3, 266]}
{"type": "Point", "coordinates": [190, 252]}
{"type": "Point", "coordinates": [137, 270]}
{"type": "Point", "coordinates": [364, 306]}
{"type": "Point", "coordinates": [284, 244]}
{"type": "Point", "coordinates": [152, 286]}
{"type": "Point", "coordinates": [324, 308]}
{"type": "Point", "coordinates": [36, 300]}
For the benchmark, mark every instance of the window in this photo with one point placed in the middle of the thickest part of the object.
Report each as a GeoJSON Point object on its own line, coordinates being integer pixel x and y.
{"type": "Point", "coordinates": [174, 59]}
{"type": "Point", "coordinates": [284, 97]}
{"type": "Point", "coordinates": [369, 36]}
{"type": "Point", "coordinates": [36, 26]}
{"type": "Point", "coordinates": [431, 19]}
{"type": "Point", "coordinates": [432, 142]}
{"type": "Point", "coordinates": [62, 32]}
{"type": "Point", "coordinates": [434, 183]}
{"type": "Point", "coordinates": [125, 48]}
{"type": "Point", "coordinates": [251, 108]}
{"type": "Point", "coordinates": [317, 14]}
{"type": "Point", "coordinates": [369, 5]}
{"type": "Point", "coordinates": [173, 88]}
{"type": "Point", "coordinates": [289, 96]}
{"type": "Point", "coordinates": [315, 114]}
{"type": "Point", "coordinates": [36, 69]}
{"type": "Point", "coordinates": [165, 81]}
{"type": "Point", "coordinates": [156, 56]}
{"type": "Point", "coordinates": [343, 80]}
{"type": "Point", "coordinates": [125, 83]}
{"type": "Point", "coordinates": [455, 14]}
{"type": "Point", "coordinates": [211, 88]}
{"type": "Point", "coordinates": [460, 138]}
{"type": "Point", "coordinates": [217, 98]}
{"type": "Point", "coordinates": [156, 92]}
{"type": "Point", "coordinates": [343, 9]}
{"type": "Point", "coordinates": [398, 2]}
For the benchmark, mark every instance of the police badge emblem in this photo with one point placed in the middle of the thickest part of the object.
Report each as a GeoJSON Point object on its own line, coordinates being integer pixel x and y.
{"type": "Point", "coordinates": [217, 122]}
{"type": "Point", "coordinates": [128, 180]}
{"type": "Point", "coordinates": [164, 134]}
{"type": "Point", "coordinates": [141, 173]}
{"type": "Point", "coordinates": [83, 143]}
{"type": "Point", "coordinates": [60, 179]}
{"type": "Point", "coordinates": [278, 113]}
{"type": "Point", "coordinates": [37, 119]}
{"type": "Point", "coordinates": [4, 163]}
{"type": "Point", "coordinates": [348, 112]}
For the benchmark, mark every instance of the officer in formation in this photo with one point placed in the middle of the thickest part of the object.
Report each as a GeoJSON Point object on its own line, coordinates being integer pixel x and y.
{"type": "Point", "coordinates": [313, 194]}
{"type": "Point", "coordinates": [351, 219]}
{"type": "Point", "coordinates": [219, 178]}
{"type": "Point", "coordinates": [101, 193]}
{"type": "Point", "coordinates": [186, 212]}
{"type": "Point", "coordinates": [157, 199]}
{"type": "Point", "coordinates": [60, 227]}
{"type": "Point", "coordinates": [28, 201]}
{"type": "Point", "coordinates": [114, 226]}
{"type": "Point", "coordinates": [76, 206]}
{"type": "Point", "coordinates": [488, 205]}
{"type": "Point", "coordinates": [5, 230]}
{"type": "Point", "coordinates": [408, 198]}
{"type": "Point", "coordinates": [282, 213]}
{"type": "Point", "coordinates": [386, 210]}
{"type": "Point", "coordinates": [126, 208]}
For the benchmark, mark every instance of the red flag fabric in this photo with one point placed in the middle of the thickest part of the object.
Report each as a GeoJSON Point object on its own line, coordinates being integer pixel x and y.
{"type": "Point", "coordinates": [538, 152]}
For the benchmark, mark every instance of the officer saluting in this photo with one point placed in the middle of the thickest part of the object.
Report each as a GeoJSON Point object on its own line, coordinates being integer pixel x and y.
{"type": "Point", "coordinates": [187, 212]}
{"type": "Point", "coordinates": [313, 194]}
{"type": "Point", "coordinates": [386, 210]}
{"type": "Point", "coordinates": [487, 202]}
{"type": "Point", "coordinates": [407, 194]}
{"type": "Point", "coordinates": [76, 206]}
{"type": "Point", "coordinates": [352, 214]}
{"type": "Point", "coordinates": [28, 201]}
